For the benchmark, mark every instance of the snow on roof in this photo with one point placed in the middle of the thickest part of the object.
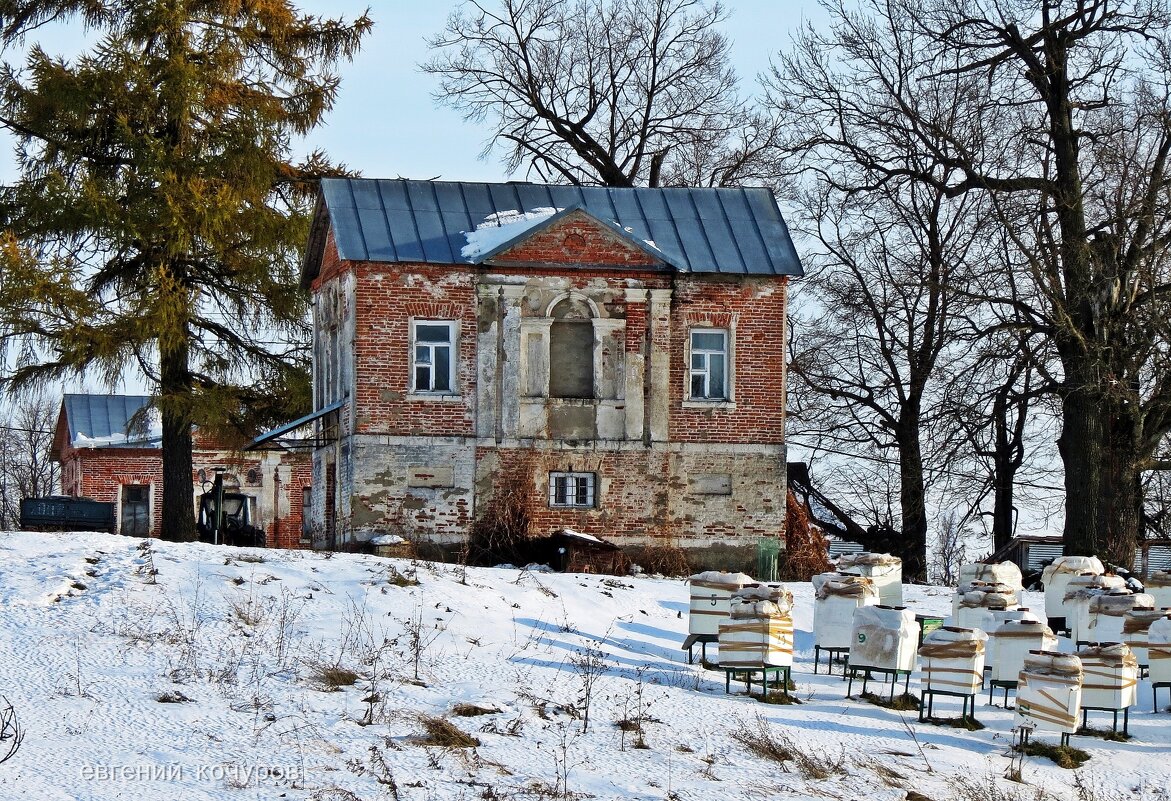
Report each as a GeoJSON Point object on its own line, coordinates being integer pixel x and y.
{"type": "Point", "coordinates": [568, 532]}
{"type": "Point", "coordinates": [502, 226]}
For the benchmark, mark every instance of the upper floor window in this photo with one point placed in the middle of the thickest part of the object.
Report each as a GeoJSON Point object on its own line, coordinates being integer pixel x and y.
{"type": "Point", "coordinates": [434, 355]}
{"type": "Point", "coordinates": [571, 350]}
{"type": "Point", "coordinates": [574, 490]}
{"type": "Point", "coordinates": [709, 364]}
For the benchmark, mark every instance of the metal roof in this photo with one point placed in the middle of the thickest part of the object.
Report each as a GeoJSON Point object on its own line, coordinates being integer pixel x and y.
{"type": "Point", "coordinates": [106, 417]}
{"type": "Point", "coordinates": [736, 230]}
{"type": "Point", "coordinates": [277, 435]}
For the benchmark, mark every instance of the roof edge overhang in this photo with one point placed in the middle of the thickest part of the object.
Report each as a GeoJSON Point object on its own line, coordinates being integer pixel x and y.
{"type": "Point", "coordinates": [315, 247]}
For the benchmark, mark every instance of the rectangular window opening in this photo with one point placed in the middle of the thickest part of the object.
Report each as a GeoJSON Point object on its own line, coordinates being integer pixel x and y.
{"type": "Point", "coordinates": [572, 490]}
{"type": "Point", "coordinates": [434, 362]}
{"type": "Point", "coordinates": [709, 364]}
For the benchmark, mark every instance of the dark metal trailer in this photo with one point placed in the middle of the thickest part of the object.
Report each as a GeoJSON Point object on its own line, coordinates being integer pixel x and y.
{"type": "Point", "coordinates": [63, 513]}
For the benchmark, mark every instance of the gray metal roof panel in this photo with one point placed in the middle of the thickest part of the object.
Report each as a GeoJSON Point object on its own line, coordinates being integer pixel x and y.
{"type": "Point", "coordinates": [732, 230]}
{"type": "Point", "coordinates": [101, 416]}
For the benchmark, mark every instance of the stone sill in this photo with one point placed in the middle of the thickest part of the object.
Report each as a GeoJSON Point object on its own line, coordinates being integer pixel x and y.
{"type": "Point", "coordinates": [727, 406]}
{"type": "Point", "coordinates": [434, 397]}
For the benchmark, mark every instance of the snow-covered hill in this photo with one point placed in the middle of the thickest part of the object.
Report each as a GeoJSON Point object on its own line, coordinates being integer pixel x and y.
{"type": "Point", "coordinates": [224, 675]}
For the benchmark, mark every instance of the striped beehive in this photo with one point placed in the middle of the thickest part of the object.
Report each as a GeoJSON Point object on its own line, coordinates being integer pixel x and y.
{"type": "Point", "coordinates": [1109, 676]}
{"type": "Point", "coordinates": [1105, 614]}
{"type": "Point", "coordinates": [1049, 692]}
{"type": "Point", "coordinates": [1136, 628]}
{"type": "Point", "coordinates": [1075, 605]}
{"type": "Point", "coordinates": [973, 604]}
{"type": "Point", "coordinates": [836, 597]}
{"type": "Point", "coordinates": [884, 570]}
{"type": "Point", "coordinates": [1013, 641]}
{"type": "Point", "coordinates": [1159, 651]}
{"type": "Point", "coordinates": [711, 599]}
{"type": "Point", "coordinates": [1158, 586]}
{"type": "Point", "coordinates": [953, 660]}
{"type": "Point", "coordinates": [758, 632]}
{"type": "Point", "coordinates": [1057, 575]}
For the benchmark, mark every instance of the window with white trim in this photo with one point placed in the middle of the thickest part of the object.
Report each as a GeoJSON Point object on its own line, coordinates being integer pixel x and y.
{"type": "Point", "coordinates": [433, 362]}
{"type": "Point", "coordinates": [573, 490]}
{"type": "Point", "coordinates": [709, 364]}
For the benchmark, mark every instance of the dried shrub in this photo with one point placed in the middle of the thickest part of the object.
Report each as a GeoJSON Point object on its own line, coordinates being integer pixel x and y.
{"type": "Point", "coordinates": [332, 677]}
{"type": "Point", "coordinates": [444, 733]}
{"type": "Point", "coordinates": [1064, 756]}
{"type": "Point", "coordinates": [907, 702]}
{"type": "Point", "coordinates": [501, 533]}
{"type": "Point", "coordinates": [760, 739]}
{"type": "Point", "coordinates": [172, 697]}
{"type": "Point", "coordinates": [667, 560]}
{"type": "Point", "coordinates": [471, 710]}
{"type": "Point", "coordinates": [806, 548]}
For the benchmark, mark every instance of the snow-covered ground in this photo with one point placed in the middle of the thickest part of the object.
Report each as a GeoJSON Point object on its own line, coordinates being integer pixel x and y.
{"type": "Point", "coordinates": [91, 641]}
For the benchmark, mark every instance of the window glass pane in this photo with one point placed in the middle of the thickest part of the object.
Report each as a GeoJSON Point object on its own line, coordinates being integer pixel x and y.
{"type": "Point", "coordinates": [697, 361]}
{"type": "Point", "coordinates": [707, 340]}
{"type": "Point", "coordinates": [697, 386]}
{"type": "Point", "coordinates": [432, 333]}
{"type": "Point", "coordinates": [422, 355]}
{"type": "Point", "coordinates": [442, 369]}
{"type": "Point", "coordinates": [716, 376]}
{"type": "Point", "coordinates": [422, 378]}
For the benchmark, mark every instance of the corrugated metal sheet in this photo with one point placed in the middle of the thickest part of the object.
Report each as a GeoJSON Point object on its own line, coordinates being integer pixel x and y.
{"type": "Point", "coordinates": [737, 231]}
{"type": "Point", "coordinates": [101, 416]}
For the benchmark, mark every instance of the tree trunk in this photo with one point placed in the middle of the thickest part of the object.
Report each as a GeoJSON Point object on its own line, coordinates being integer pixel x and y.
{"type": "Point", "coordinates": [911, 501]}
{"type": "Point", "coordinates": [1005, 463]}
{"type": "Point", "coordinates": [1081, 446]}
{"type": "Point", "coordinates": [178, 523]}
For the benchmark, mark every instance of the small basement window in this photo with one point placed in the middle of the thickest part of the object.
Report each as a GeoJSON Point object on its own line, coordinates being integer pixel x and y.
{"type": "Point", "coordinates": [572, 490]}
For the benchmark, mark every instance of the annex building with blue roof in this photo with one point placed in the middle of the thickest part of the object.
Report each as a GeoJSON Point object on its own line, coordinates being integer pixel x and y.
{"type": "Point", "coordinates": [609, 360]}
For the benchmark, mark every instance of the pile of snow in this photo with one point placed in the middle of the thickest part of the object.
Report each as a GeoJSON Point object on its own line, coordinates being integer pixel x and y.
{"type": "Point", "coordinates": [500, 227]}
{"type": "Point", "coordinates": [201, 672]}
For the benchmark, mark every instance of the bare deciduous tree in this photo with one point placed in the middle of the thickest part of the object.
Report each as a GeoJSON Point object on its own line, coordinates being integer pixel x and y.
{"type": "Point", "coordinates": [26, 467]}
{"type": "Point", "coordinates": [616, 92]}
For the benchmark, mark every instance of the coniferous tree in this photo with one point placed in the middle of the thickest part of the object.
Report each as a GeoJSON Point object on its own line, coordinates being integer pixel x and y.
{"type": "Point", "coordinates": [158, 216]}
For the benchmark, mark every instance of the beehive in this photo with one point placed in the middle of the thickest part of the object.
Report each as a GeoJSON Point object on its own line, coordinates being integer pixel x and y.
{"type": "Point", "coordinates": [1159, 651]}
{"type": "Point", "coordinates": [953, 660]}
{"type": "Point", "coordinates": [884, 637]}
{"type": "Point", "coordinates": [711, 599]}
{"type": "Point", "coordinates": [1012, 641]}
{"type": "Point", "coordinates": [1049, 692]}
{"type": "Point", "coordinates": [1078, 592]}
{"type": "Point", "coordinates": [1158, 586]}
{"type": "Point", "coordinates": [1109, 676]}
{"type": "Point", "coordinates": [1057, 574]}
{"type": "Point", "coordinates": [974, 603]}
{"type": "Point", "coordinates": [836, 597]}
{"type": "Point", "coordinates": [1105, 615]}
{"type": "Point", "coordinates": [994, 573]}
{"type": "Point", "coordinates": [1136, 628]}
{"type": "Point", "coordinates": [884, 570]}
{"type": "Point", "coordinates": [758, 632]}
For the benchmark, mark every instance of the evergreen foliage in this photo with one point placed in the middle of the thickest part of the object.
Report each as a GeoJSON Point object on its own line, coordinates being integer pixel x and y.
{"type": "Point", "coordinates": [159, 214]}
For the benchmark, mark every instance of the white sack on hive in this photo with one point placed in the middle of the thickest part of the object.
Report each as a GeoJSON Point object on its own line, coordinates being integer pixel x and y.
{"type": "Point", "coordinates": [884, 570]}
{"type": "Point", "coordinates": [953, 660]}
{"type": "Point", "coordinates": [1058, 573]}
{"type": "Point", "coordinates": [1109, 676]}
{"type": "Point", "coordinates": [1159, 650]}
{"type": "Point", "coordinates": [1049, 692]}
{"type": "Point", "coordinates": [1075, 604]}
{"type": "Point", "coordinates": [974, 603]}
{"type": "Point", "coordinates": [884, 637]}
{"type": "Point", "coordinates": [1158, 586]}
{"type": "Point", "coordinates": [1106, 614]}
{"type": "Point", "coordinates": [994, 573]}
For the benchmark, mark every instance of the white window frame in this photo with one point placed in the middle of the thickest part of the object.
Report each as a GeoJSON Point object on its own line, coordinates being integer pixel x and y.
{"type": "Point", "coordinates": [573, 485]}
{"type": "Point", "coordinates": [453, 357]}
{"type": "Point", "coordinates": [705, 371]}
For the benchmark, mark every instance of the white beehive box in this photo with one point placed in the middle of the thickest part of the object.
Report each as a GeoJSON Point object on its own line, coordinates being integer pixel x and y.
{"type": "Point", "coordinates": [952, 660]}
{"type": "Point", "coordinates": [998, 617]}
{"type": "Point", "coordinates": [884, 570]}
{"type": "Point", "coordinates": [884, 637]}
{"type": "Point", "coordinates": [1158, 586]}
{"type": "Point", "coordinates": [1136, 628]}
{"type": "Point", "coordinates": [836, 597]}
{"type": "Point", "coordinates": [1109, 676]}
{"type": "Point", "coordinates": [1049, 692]}
{"type": "Point", "coordinates": [1075, 605]}
{"type": "Point", "coordinates": [758, 632]}
{"type": "Point", "coordinates": [995, 573]}
{"type": "Point", "coordinates": [1012, 641]}
{"type": "Point", "coordinates": [1106, 614]}
{"type": "Point", "coordinates": [711, 599]}
{"type": "Point", "coordinates": [1159, 651]}
{"type": "Point", "coordinates": [1058, 573]}
{"type": "Point", "coordinates": [974, 603]}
